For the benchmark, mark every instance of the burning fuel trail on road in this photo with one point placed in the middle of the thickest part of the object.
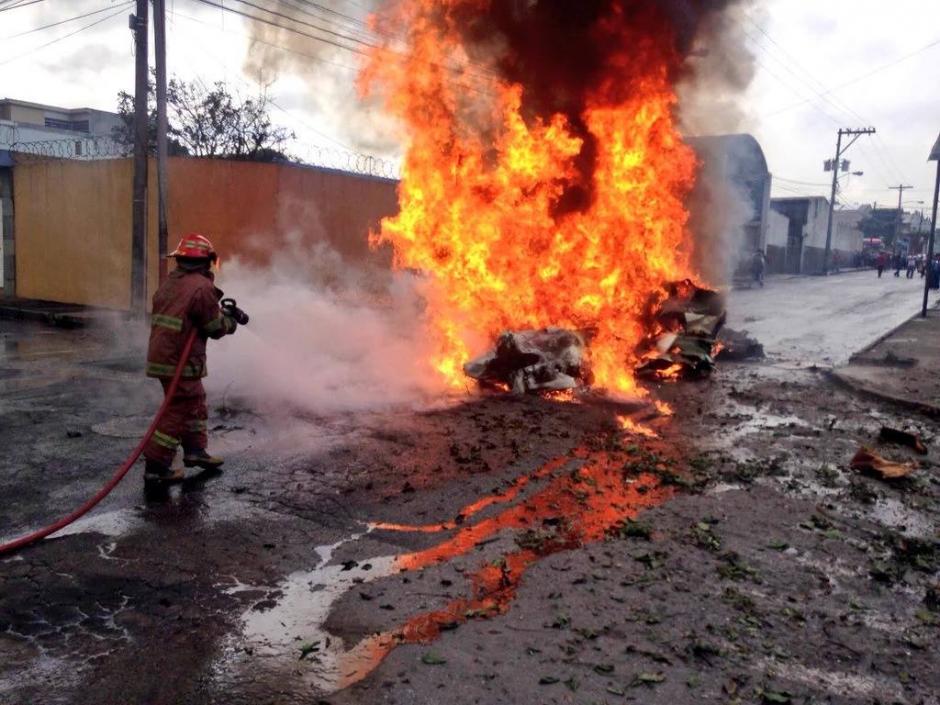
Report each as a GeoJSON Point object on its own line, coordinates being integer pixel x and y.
{"type": "Point", "coordinates": [544, 179]}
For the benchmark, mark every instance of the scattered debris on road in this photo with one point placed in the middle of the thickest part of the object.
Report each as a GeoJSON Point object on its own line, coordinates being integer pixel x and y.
{"type": "Point", "coordinates": [866, 460]}
{"type": "Point", "coordinates": [903, 438]}
{"type": "Point", "coordinates": [531, 361]}
{"type": "Point", "coordinates": [683, 344]}
{"type": "Point", "coordinates": [737, 346]}
{"type": "Point", "coordinates": [686, 341]}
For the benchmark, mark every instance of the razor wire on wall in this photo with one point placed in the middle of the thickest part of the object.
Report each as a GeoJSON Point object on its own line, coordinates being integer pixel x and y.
{"type": "Point", "coordinates": [91, 147]}
{"type": "Point", "coordinates": [352, 162]}
{"type": "Point", "coordinates": [82, 149]}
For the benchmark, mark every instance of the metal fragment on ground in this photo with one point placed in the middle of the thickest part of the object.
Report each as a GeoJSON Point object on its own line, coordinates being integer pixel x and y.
{"type": "Point", "coordinates": [686, 326]}
{"type": "Point", "coordinates": [531, 361]}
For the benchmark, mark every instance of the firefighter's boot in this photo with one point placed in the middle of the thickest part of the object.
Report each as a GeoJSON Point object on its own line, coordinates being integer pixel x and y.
{"type": "Point", "coordinates": [200, 458]}
{"type": "Point", "coordinates": [156, 473]}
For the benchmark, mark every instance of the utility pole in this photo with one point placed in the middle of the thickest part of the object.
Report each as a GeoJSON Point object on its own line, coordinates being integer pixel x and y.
{"type": "Point", "coordinates": [138, 24]}
{"type": "Point", "coordinates": [159, 48]}
{"type": "Point", "coordinates": [898, 217]}
{"type": "Point", "coordinates": [836, 166]}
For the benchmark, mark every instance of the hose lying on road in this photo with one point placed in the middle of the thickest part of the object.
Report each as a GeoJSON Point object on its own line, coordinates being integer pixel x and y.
{"type": "Point", "coordinates": [40, 534]}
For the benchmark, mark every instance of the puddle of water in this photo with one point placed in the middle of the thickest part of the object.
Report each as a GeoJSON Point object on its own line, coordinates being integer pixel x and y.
{"type": "Point", "coordinates": [573, 508]}
{"type": "Point", "coordinates": [114, 524]}
{"type": "Point", "coordinates": [892, 512]}
{"type": "Point", "coordinates": [741, 421]}
{"type": "Point", "coordinates": [840, 684]}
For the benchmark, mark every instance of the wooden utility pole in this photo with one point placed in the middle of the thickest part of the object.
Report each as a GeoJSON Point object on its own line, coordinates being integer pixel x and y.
{"type": "Point", "coordinates": [898, 216]}
{"type": "Point", "coordinates": [159, 49]}
{"type": "Point", "coordinates": [836, 166]}
{"type": "Point", "coordinates": [141, 139]}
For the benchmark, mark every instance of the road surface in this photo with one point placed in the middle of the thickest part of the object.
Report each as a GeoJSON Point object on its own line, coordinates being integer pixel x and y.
{"type": "Point", "coordinates": [481, 552]}
{"type": "Point", "coordinates": [824, 320]}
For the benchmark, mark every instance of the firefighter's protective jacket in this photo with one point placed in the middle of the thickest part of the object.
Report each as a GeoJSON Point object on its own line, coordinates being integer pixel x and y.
{"type": "Point", "coordinates": [186, 300]}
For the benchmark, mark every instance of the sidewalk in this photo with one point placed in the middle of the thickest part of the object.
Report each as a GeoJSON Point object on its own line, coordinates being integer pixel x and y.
{"type": "Point", "coordinates": [54, 313]}
{"type": "Point", "coordinates": [901, 367]}
{"type": "Point", "coordinates": [746, 282]}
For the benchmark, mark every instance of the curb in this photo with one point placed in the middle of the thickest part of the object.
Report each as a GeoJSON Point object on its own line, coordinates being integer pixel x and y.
{"type": "Point", "coordinates": [881, 338]}
{"type": "Point", "coordinates": [854, 386]}
{"type": "Point", "coordinates": [59, 320]}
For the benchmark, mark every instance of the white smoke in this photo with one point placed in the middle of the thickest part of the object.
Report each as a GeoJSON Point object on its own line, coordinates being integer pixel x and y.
{"type": "Point", "coordinates": [324, 336]}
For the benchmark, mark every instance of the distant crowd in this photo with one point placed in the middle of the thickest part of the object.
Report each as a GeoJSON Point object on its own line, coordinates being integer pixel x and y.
{"type": "Point", "coordinates": [912, 265]}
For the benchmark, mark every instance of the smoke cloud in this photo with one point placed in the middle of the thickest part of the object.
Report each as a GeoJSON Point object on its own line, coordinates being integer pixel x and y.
{"type": "Point", "coordinates": [328, 71]}
{"type": "Point", "coordinates": [324, 337]}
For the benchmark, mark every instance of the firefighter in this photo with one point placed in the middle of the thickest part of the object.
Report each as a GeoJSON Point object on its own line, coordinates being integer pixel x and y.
{"type": "Point", "coordinates": [188, 299]}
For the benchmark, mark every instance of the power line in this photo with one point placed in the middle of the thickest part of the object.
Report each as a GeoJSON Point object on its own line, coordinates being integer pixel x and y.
{"type": "Point", "coordinates": [120, 11]}
{"type": "Point", "coordinates": [795, 181]}
{"type": "Point", "coordinates": [286, 28]}
{"type": "Point", "coordinates": [281, 47]}
{"type": "Point", "coordinates": [351, 22]}
{"type": "Point", "coordinates": [857, 79]}
{"type": "Point", "coordinates": [22, 4]}
{"type": "Point", "coordinates": [881, 149]}
{"type": "Point", "coordinates": [319, 28]}
{"type": "Point", "coordinates": [325, 40]}
{"type": "Point", "coordinates": [270, 100]}
{"type": "Point", "coordinates": [60, 22]}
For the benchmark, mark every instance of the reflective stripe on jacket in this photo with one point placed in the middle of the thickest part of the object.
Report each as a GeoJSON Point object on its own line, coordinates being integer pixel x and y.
{"type": "Point", "coordinates": [187, 299]}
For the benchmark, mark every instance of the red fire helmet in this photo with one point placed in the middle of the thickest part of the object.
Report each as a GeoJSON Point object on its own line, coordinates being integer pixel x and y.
{"type": "Point", "coordinates": [194, 245]}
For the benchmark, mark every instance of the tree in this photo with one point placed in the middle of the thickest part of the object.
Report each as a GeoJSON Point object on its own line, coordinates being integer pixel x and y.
{"type": "Point", "coordinates": [124, 134]}
{"type": "Point", "coordinates": [211, 122]}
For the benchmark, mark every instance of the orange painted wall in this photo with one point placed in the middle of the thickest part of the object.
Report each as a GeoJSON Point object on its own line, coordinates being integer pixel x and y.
{"type": "Point", "coordinates": [73, 219]}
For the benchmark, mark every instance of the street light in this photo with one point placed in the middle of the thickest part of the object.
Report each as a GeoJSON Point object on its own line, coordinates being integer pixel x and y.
{"type": "Point", "coordinates": [934, 157]}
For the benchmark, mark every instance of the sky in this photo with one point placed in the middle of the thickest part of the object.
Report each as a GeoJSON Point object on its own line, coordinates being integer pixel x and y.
{"type": "Point", "coordinates": [819, 66]}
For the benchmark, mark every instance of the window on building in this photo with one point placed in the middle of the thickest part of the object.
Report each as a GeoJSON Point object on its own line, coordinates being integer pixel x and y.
{"type": "Point", "coordinates": [72, 126]}
{"type": "Point", "coordinates": [58, 124]}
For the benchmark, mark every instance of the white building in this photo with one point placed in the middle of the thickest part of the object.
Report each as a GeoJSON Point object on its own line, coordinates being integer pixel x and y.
{"type": "Point", "coordinates": [805, 242]}
{"type": "Point", "coordinates": [66, 133]}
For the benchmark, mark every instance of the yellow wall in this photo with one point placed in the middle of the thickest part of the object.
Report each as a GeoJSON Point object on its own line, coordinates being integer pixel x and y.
{"type": "Point", "coordinates": [73, 219]}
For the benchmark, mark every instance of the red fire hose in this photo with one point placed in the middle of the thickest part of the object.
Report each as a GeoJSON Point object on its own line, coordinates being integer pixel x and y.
{"type": "Point", "coordinates": [121, 471]}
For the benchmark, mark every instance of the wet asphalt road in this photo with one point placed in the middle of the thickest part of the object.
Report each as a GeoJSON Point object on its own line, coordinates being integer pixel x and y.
{"type": "Point", "coordinates": [824, 320]}
{"type": "Point", "coordinates": [273, 584]}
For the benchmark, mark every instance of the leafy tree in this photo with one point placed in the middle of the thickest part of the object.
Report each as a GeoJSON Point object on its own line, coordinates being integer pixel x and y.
{"type": "Point", "coordinates": [209, 122]}
{"type": "Point", "coordinates": [124, 134]}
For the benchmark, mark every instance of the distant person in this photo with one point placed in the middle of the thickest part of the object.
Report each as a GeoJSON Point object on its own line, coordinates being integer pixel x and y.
{"type": "Point", "coordinates": [836, 261]}
{"type": "Point", "coordinates": [881, 262]}
{"type": "Point", "coordinates": [898, 263]}
{"type": "Point", "coordinates": [911, 266]}
{"type": "Point", "coordinates": [758, 266]}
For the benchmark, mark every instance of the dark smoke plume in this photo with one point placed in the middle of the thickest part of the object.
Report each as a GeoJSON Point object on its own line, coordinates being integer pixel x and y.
{"type": "Point", "coordinates": [572, 55]}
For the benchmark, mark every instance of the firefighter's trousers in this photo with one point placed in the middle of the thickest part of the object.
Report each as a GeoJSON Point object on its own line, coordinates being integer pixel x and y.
{"type": "Point", "coordinates": [184, 423]}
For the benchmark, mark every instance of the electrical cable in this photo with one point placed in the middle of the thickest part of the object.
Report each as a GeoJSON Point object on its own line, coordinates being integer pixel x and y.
{"type": "Point", "coordinates": [56, 24]}
{"type": "Point", "coordinates": [858, 79]}
{"type": "Point", "coordinates": [17, 7]}
{"type": "Point", "coordinates": [121, 11]}
{"type": "Point", "coordinates": [324, 40]}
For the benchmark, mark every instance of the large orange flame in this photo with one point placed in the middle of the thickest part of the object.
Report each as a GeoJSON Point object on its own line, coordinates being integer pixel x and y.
{"type": "Point", "coordinates": [483, 178]}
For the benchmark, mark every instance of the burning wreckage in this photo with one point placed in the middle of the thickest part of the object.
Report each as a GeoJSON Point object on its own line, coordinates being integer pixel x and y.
{"type": "Point", "coordinates": [684, 343]}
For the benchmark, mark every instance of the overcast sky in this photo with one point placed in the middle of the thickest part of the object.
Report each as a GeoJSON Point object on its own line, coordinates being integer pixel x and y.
{"type": "Point", "coordinates": [820, 66]}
